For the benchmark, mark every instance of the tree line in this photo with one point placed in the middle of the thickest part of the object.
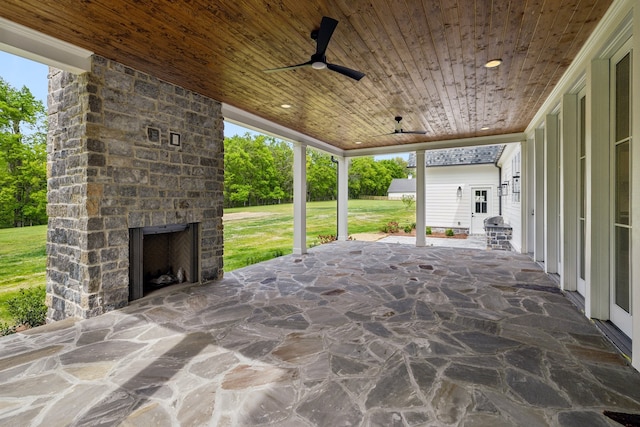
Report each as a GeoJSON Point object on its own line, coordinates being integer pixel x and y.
{"type": "Point", "coordinates": [259, 170]}
{"type": "Point", "coordinates": [23, 158]}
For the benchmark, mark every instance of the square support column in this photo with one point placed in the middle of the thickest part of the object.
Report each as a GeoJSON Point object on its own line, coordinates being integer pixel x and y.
{"type": "Point", "coordinates": [552, 227]}
{"type": "Point", "coordinates": [528, 217]}
{"type": "Point", "coordinates": [569, 197]}
{"type": "Point", "coordinates": [299, 199]}
{"type": "Point", "coordinates": [421, 171]}
{"type": "Point", "coordinates": [343, 198]}
{"type": "Point", "coordinates": [598, 181]}
{"type": "Point", "coordinates": [525, 204]}
{"type": "Point", "coordinates": [538, 210]}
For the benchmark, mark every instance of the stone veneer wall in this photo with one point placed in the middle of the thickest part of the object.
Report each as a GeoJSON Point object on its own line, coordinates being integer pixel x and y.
{"type": "Point", "coordinates": [499, 237]}
{"type": "Point", "coordinates": [105, 177]}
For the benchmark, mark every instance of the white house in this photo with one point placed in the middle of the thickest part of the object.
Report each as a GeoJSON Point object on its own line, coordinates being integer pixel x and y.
{"type": "Point", "coordinates": [462, 187]}
{"type": "Point", "coordinates": [401, 187]}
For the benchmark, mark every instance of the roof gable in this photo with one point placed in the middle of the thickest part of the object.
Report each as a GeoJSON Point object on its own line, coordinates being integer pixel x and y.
{"type": "Point", "coordinates": [402, 185]}
{"type": "Point", "coordinates": [477, 155]}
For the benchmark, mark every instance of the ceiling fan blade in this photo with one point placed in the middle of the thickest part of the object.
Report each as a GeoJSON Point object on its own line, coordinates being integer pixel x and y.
{"type": "Point", "coordinates": [384, 134]}
{"type": "Point", "coordinates": [415, 132]}
{"type": "Point", "coordinates": [403, 132]}
{"type": "Point", "coordinates": [327, 27]}
{"type": "Point", "coordinates": [356, 75]}
{"type": "Point", "coordinates": [290, 67]}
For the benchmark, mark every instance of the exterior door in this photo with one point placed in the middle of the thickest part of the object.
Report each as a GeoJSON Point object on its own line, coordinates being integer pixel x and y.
{"type": "Point", "coordinates": [582, 200]}
{"type": "Point", "coordinates": [480, 208]}
{"type": "Point", "coordinates": [621, 146]}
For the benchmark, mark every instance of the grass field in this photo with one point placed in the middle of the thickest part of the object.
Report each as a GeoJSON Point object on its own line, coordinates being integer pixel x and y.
{"type": "Point", "coordinates": [22, 262]}
{"type": "Point", "coordinates": [251, 235]}
{"type": "Point", "coordinates": [257, 233]}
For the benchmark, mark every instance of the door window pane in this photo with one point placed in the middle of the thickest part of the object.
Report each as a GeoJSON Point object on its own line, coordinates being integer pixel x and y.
{"type": "Point", "coordinates": [622, 292]}
{"type": "Point", "coordinates": [622, 97]}
{"type": "Point", "coordinates": [582, 200]}
{"type": "Point", "coordinates": [583, 177]}
{"type": "Point", "coordinates": [583, 257]}
{"type": "Point", "coordinates": [481, 201]}
{"type": "Point", "coordinates": [583, 126]}
{"type": "Point", "coordinates": [622, 193]}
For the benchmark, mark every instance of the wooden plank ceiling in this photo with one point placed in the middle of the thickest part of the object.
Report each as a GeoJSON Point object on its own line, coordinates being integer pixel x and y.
{"type": "Point", "coordinates": [423, 60]}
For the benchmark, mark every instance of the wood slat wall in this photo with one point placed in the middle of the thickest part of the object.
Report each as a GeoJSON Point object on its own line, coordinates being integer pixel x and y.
{"type": "Point", "coordinates": [423, 59]}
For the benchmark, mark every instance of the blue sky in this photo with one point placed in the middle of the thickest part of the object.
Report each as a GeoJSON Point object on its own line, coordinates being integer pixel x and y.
{"type": "Point", "coordinates": [20, 72]}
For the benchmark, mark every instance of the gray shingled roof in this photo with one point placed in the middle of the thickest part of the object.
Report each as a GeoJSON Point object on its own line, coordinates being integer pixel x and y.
{"type": "Point", "coordinates": [402, 185]}
{"type": "Point", "coordinates": [478, 155]}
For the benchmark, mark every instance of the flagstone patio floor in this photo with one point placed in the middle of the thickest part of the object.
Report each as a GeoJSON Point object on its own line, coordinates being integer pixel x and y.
{"type": "Point", "coordinates": [351, 334]}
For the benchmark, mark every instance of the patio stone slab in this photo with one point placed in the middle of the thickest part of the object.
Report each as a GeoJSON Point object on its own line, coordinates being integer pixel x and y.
{"type": "Point", "coordinates": [352, 333]}
{"type": "Point", "coordinates": [330, 405]}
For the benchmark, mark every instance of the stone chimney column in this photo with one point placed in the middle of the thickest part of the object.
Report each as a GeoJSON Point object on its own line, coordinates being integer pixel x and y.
{"type": "Point", "coordinates": [125, 150]}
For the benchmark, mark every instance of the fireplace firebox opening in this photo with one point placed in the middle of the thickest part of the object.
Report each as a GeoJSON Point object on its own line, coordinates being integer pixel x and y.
{"type": "Point", "coordinates": [161, 256]}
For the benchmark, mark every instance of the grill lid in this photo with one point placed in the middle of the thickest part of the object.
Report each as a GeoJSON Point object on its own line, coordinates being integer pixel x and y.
{"type": "Point", "coordinates": [494, 220]}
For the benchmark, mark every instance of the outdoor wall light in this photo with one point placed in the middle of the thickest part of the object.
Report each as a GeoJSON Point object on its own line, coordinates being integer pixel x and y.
{"type": "Point", "coordinates": [504, 188]}
{"type": "Point", "coordinates": [459, 192]}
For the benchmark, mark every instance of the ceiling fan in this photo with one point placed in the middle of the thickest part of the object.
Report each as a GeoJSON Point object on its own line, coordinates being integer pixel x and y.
{"type": "Point", "coordinates": [318, 60]}
{"type": "Point", "coordinates": [398, 128]}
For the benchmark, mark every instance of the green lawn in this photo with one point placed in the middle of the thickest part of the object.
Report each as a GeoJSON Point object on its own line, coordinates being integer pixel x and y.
{"type": "Point", "coordinates": [22, 262]}
{"type": "Point", "coordinates": [268, 230]}
{"type": "Point", "coordinates": [255, 234]}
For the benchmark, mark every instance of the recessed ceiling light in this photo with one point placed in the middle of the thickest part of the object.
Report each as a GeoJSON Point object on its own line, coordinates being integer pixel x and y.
{"type": "Point", "coordinates": [484, 128]}
{"type": "Point", "coordinates": [285, 105]}
{"type": "Point", "coordinates": [493, 63]}
{"type": "Point", "coordinates": [358, 142]}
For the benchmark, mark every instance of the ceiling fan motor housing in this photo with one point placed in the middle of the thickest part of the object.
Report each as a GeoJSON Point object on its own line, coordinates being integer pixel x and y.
{"type": "Point", "coordinates": [398, 119]}
{"type": "Point", "coordinates": [318, 62]}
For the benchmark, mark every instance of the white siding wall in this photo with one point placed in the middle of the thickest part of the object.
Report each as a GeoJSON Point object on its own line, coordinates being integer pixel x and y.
{"type": "Point", "coordinates": [444, 208]}
{"type": "Point", "coordinates": [511, 203]}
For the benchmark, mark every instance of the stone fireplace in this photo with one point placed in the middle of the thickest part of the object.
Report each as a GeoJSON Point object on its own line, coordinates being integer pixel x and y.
{"type": "Point", "coordinates": [129, 156]}
{"type": "Point", "coordinates": [161, 256]}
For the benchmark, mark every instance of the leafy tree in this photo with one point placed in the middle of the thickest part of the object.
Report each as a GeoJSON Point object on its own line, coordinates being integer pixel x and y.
{"type": "Point", "coordinates": [397, 167]}
{"type": "Point", "coordinates": [265, 182]}
{"type": "Point", "coordinates": [321, 176]}
{"type": "Point", "coordinates": [250, 174]}
{"type": "Point", "coordinates": [22, 158]}
{"type": "Point", "coordinates": [282, 154]}
{"type": "Point", "coordinates": [368, 178]}
{"type": "Point", "coordinates": [237, 187]}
